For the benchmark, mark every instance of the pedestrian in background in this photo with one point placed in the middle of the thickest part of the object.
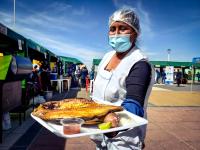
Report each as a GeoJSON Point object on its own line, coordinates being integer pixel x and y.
{"type": "Point", "coordinates": [34, 74]}
{"type": "Point", "coordinates": [45, 78]}
{"type": "Point", "coordinates": [78, 75]}
{"type": "Point", "coordinates": [178, 77]}
{"type": "Point", "coordinates": [157, 76]}
{"type": "Point", "coordinates": [92, 74]}
{"type": "Point", "coordinates": [163, 77]}
{"type": "Point", "coordinates": [198, 76]}
{"type": "Point", "coordinates": [84, 73]}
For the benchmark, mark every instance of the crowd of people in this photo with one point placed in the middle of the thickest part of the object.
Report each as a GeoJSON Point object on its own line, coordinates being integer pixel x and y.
{"type": "Point", "coordinates": [82, 75]}
{"type": "Point", "coordinates": [40, 77]}
{"type": "Point", "coordinates": [179, 77]}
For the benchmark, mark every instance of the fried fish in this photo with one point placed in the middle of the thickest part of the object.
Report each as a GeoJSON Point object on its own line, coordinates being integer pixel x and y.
{"type": "Point", "coordinates": [88, 110]}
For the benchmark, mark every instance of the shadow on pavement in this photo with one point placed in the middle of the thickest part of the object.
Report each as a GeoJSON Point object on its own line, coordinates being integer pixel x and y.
{"type": "Point", "coordinates": [27, 138]}
{"type": "Point", "coordinates": [66, 94]}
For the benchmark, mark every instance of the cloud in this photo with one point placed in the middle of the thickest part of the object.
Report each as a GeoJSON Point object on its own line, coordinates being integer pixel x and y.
{"type": "Point", "coordinates": [58, 6]}
{"type": "Point", "coordinates": [120, 3]}
{"type": "Point", "coordinates": [145, 20]}
{"type": "Point", "coordinates": [6, 18]}
{"type": "Point", "coordinates": [36, 26]}
{"type": "Point", "coordinates": [42, 20]}
{"type": "Point", "coordinates": [147, 52]}
{"type": "Point", "coordinates": [79, 12]}
{"type": "Point", "coordinates": [84, 53]}
{"type": "Point", "coordinates": [56, 15]}
{"type": "Point", "coordinates": [182, 28]}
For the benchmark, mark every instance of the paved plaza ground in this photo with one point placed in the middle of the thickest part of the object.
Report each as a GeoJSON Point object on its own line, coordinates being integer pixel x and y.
{"type": "Point", "coordinates": [169, 129]}
{"type": "Point", "coordinates": [174, 124]}
{"type": "Point", "coordinates": [171, 95]}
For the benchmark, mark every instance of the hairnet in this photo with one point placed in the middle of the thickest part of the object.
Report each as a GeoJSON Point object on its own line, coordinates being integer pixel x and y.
{"type": "Point", "coordinates": [128, 16]}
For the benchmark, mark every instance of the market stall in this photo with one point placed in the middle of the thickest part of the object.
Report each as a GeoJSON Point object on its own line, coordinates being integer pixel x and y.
{"type": "Point", "coordinates": [187, 68]}
{"type": "Point", "coordinates": [69, 63]}
{"type": "Point", "coordinates": [52, 59]}
{"type": "Point", "coordinates": [13, 69]}
{"type": "Point", "coordinates": [35, 51]}
{"type": "Point", "coordinates": [70, 66]}
{"type": "Point", "coordinates": [11, 43]}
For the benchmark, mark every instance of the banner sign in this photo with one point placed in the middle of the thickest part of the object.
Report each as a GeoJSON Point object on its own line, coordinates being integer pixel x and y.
{"type": "Point", "coordinates": [196, 60]}
{"type": "Point", "coordinates": [20, 44]}
{"type": "Point", "coordinates": [169, 74]}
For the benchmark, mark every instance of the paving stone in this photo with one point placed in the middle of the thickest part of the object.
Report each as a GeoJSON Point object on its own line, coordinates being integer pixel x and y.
{"type": "Point", "coordinates": [189, 135]}
{"type": "Point", "coordinates": [152, 126]}
{"type": "Point", "coordinates": [158, 135]}
{"type": "Point", "coordinates": [192, 125]}
{"type": "Point", "coordinates": [195, 145]}
{"type": "Point", "coordinates": [173, 144]}
{"type": "Point", "coordinates": [153, 145]}
{"type": "Point", "coordinates": [81, 140]}
{"type": "Point", "coordinates": [173, 127]}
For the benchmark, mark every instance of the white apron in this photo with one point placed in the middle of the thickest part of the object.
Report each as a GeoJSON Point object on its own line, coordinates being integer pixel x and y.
{"type": "Point", "coordinates": [110, 86]}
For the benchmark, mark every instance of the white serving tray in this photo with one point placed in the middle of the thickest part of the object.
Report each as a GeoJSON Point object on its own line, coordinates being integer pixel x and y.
{"type": "Point", "coordinates": [127, 120]}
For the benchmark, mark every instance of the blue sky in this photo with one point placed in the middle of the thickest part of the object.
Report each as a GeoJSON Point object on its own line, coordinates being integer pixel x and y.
{"type": "Point", "coordinates": [78, 28]}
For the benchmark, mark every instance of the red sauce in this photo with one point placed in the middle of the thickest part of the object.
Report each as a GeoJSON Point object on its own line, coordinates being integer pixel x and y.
{"type": "Point", "coordinates": [71, 129]}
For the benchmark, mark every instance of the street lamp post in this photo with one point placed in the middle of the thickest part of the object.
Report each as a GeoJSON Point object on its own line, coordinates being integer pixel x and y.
{"type": "Point", "coordinates": [168, 54]}
{"type": "Point", "coordinates": [14, 13]}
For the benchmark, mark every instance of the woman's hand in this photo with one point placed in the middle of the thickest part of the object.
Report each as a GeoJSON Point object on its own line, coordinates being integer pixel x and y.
{"type": "Point", "coordinates": [114, 119]}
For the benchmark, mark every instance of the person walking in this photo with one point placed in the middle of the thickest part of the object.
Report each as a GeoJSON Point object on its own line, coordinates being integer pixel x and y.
{"type": "Point", "coordinates": [198, 76]}
{"type": "Point", "coordinates": [163, 77]}
{"type": "Point", "coordinates": [84, 73]}
{"type": "Point", "coordinates": [157, 76]}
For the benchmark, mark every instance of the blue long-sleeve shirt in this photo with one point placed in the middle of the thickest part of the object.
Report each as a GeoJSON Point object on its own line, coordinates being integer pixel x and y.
{"type": "Point", "coordinates": [137, 84]}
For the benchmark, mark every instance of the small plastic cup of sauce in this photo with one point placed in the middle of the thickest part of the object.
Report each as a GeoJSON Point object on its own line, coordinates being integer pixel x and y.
{"type": "Point", "coordinates": [71, 125]}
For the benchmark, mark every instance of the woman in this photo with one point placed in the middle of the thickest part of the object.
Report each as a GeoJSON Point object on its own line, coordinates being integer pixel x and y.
{"type": "Point", "coordinates": [124, 78]}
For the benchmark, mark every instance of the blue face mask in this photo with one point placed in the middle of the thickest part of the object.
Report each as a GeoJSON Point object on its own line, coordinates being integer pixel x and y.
{"type": "Point", "coordinates": [120, 43]}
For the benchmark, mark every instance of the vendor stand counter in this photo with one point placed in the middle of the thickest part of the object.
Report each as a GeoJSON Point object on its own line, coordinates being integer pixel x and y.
{"type": "Point", "coordinates": [13, 69]}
